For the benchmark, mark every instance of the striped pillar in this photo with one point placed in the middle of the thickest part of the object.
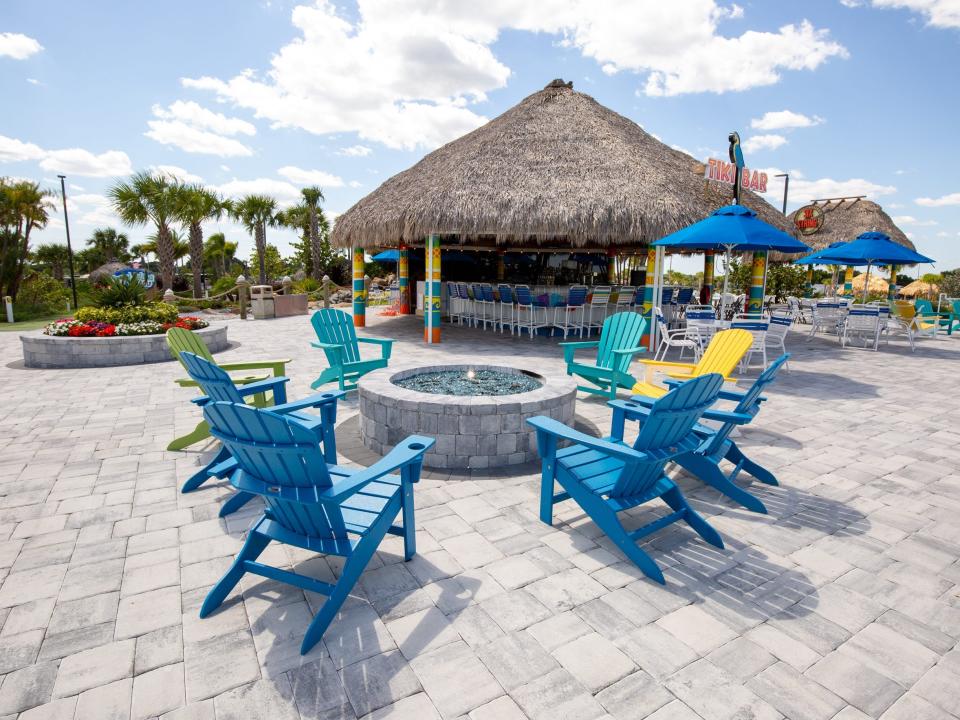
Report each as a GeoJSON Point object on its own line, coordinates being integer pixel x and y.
{"type": "Point", "coordinates": [757, 277]}
{"type": "Point", "coordinates": [809, 292]}
{"type": "Point", "coordinates": [648, 283]}
{"type": "Point", "coordinates": [403, 279]}
{"type": "Point", "coordinates": [359, 291]}
{"type": "Point", "coordinates": [501, 266]}
{"type": "Point", "coordinates": [848, 280]}
{"type": "Point", "coordinates": [612, 266]}
{"type": "Point", "coordinates": [431, 291]}
{"type": "Point", "coordinates": [892, 287]}
{"type": "Point", "coordinates": [706, 294]}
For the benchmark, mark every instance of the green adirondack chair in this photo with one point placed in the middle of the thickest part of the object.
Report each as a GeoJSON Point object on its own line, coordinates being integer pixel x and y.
{"type": "Point", "coordinates": [619, 342]}
{"type": "Point", "coordinates": [338, 339]}
{"type": "Point", "coordinates": [180, 340]}
{"type": "Point", "coordinates": [947, 317]}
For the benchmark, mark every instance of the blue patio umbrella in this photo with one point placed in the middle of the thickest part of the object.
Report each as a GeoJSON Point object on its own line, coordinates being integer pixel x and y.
{"type": "Point", "coordinates": [814, 259]}
{"type": "Point", "coordinates": [387, 256]}
{"type": "Point", "coordinates": [734, 228]}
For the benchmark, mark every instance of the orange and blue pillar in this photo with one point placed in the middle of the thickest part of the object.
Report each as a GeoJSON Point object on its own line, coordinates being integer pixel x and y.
{"type": "Point", "coordinates": [892, 286]}
{"type": "Point", "coordinates": [648, 283]}
{"type": "Point", "coordinates": [431, 291]}
{"type": "Point", "coordinates": [359, 290]}
{"type": "Point", "coordinates": [611, 266]}
{"type": "Point", "coordinates": [757, 276]}
{"type": "Point", "coordinates": [809, 289]}
{"type": "Point", "coordinates": [706, 296]}
{"type": "Point", "coordinates": [848, 280]}
{"type": "Point", "coordinates": [403, 279]}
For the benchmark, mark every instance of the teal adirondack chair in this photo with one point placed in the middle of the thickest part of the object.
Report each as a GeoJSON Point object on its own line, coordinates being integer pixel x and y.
{"type": "Point", "coordinates": [717, 445]}
{"type": "Point", "coordinates": [608, 476]}
{"type": "Point", "coordinates": [619, 342]}
{"type": "Point", "coordinates": [339, 342]}
{"type": "Point", "coordinates": [218, 386]}
{"type": "Point", "coordinates": [949, 319]}
{"type": "Point", "coordinates": [312, 504]}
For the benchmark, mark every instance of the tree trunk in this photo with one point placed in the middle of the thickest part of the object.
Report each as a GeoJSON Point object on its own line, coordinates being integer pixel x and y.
{"type": "Point", "coordinates": [165, 256]}
{"type": "Point", "coordinates": [21, 259]}
{"type": "Point", "coordinates": [315, 245]}
{"type": "Point", "coordinates": [261, 240]}
{"type": "Point", "coordinates": [196, 257]}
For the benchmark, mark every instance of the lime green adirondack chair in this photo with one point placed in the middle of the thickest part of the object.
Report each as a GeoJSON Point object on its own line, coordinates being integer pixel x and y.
{"type": "Point", "coordinates": [619, 342]}
{"type": "Point", "coordinates": [339, 342]}
{"type": "Point", "coordinates": [180, 340]}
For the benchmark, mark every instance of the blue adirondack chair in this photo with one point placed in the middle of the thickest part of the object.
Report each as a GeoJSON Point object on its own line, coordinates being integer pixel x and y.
{"type": "Point", "coordinates": [217, 385]}
{"type": "Point", "coordinates": [619, 342]}
{"type": "Point", "coordinates": [339, 342]}
{"type": "Point", "coordinates": [311, 503]}
{"type": "Point", "coordinates": [608, 476]}
{"type": "Point", "coordinates": [717, 445]}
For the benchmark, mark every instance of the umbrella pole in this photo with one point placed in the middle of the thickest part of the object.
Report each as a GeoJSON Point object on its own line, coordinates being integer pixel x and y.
{"type": "Point", "coordinates": [726, 281]}
{"type": "Point", "coordinates": [866, 284]}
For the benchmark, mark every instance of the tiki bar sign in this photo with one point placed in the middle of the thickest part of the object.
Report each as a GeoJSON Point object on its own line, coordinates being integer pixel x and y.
{"type": "Point", "coordinates": [808, 219]}
{"type": "Point", "coordinates": [725, 172]}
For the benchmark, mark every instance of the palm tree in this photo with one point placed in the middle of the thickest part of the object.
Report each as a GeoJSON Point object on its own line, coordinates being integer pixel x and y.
{"type": "Point", "coordinates": [195, 205]}
{"type": "Point", "coordinates": [23, 207]}
{"type": "Point", "coordinates": [111, 245]}
{"type": "Point", "coordinates": [147, 198]}
{"type": "Point", "coordinates": [217, 247]}
{"type": "Point", "coordinates": [311, 198]}
{"type": "Point", "coordinates": [255, 213]}
{"type": "Point", "coordinates": [53, 255]}
{"type": "Point", "coordinates": [314, 228]}
{"type": "Point", "coordinates": [141, 251]}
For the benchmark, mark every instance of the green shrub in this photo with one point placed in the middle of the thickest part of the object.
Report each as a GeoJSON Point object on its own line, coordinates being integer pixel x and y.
{"type": "Point", "coordinates": [41, 294]}
{"type": "Point", "coordinates": [222, 285]}
{"type": "Point", "coordinates": [307, 285]}
{"type": "Point", "coordinates": [120, 292]}
{"type": "Point", "coordinates": [154, 311]}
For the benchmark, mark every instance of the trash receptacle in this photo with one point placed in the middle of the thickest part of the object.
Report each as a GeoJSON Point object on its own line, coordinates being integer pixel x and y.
{"type": "Point", "coordinates": [261, 301]}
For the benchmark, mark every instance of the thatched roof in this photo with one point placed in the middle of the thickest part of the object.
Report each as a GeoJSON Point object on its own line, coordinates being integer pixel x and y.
{"type": "Point", "coordinates": [845, 220]}
{"type": "Point", "coordinates": [106, 271]}
{"type": "Point", "coordinates": [558, 169]}
{"type": "Point", "coordinates": [878, 283]}
{"type": "Point", "coordinates": [919, 287]}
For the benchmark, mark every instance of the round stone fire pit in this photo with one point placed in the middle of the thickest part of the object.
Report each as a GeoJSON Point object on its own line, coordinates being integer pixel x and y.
{"type": "Point", "coordinates": [481, 430]}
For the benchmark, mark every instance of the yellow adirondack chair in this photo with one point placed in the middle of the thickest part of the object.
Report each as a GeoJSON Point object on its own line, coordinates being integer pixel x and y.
{"type": "Point", "coordinates": [725, 350]}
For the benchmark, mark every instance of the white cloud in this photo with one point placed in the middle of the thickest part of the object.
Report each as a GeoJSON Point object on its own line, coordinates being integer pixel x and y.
{"type": "Point", "coordinates": [784, 119]}
{"type": "Point", "coordinates": [951, 199]}
{"type": "Point", "coordinates": [804, 190]}
{"type": "Point", "coordinates": [355, 151]}
{"type": "Point", "coordinates": [309, 177]}
{"type": "Point", "coordinates": [18, 46]}
{"type": "Point", "coordinates": [910, 220]}
{"type": "Point", "coordinates": [938, 13]}
{"type": "Point", "coordinates": [403, 73]}
{"type": "Point", "coordinates": [285, 193]}
{"type": "Point", "coordinates": [194, 129]}
{"type": "Point", "coordinates": [70, 161]}
{"type": "Point", "coordinates": [34, 81]}
{"type": "Point", "coordinates": [763, 142]}
{"type": "Point", "coordinates": [177, 172]}
{"type": "Point", "coordinates": [355, 184]}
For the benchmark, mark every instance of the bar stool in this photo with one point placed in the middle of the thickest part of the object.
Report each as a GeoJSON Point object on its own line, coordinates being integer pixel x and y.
{"type": "Point", "coordinates": [569, 317]}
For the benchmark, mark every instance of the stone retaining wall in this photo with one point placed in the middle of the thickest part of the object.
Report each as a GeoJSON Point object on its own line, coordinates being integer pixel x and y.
{"type": "Point", "coordinates": [471, 432]}
{"type": "Point", "coordinates": [44, 351]}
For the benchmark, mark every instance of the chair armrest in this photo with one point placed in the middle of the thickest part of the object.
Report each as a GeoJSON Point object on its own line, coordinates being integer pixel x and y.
{"type": "Point", "coordinates": [630, 351]}
{"type": "Point", "coordinates": [311, 401]}
{"type": "Point", "coordinates": [274, 383]}
{"type": "Point", "coordinates": [201, 401]}
{"type": "Point", "coordinates": [277, 366]}
{"type": "Point", "coordinates": [386, 345]}
{"type": "Point", "coordinates": [727, 416]}
{"type": "Point", "coordinates": [221, 469]}
{"type": "Point", "coordinates": [559, 430]}
{"type": "Point", "coordinates": [407, 452]}
{"type": "Point", "coordinates": [186, 382]}
{"type": "Point", "coordinates": [327, 346]}
{"type": "Point", "coordinates": [569, 348]}
{"type": "Point", "coordinates": [665, 363]}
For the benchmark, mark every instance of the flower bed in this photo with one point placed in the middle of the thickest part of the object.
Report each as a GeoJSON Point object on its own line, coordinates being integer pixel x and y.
{"type": "Point", "coordinates": [70, 327]}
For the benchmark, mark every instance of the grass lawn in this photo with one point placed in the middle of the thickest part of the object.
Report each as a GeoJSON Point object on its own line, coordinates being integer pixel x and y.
{"type": "Point", "coordinates": [33, 324]}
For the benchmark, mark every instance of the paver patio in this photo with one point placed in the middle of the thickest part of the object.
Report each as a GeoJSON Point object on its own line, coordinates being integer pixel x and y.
{"type": "Point", "coordinates": [843, 602]}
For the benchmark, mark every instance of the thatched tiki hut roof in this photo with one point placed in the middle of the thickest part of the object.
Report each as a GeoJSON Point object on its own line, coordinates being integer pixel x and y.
{"type": "Point", "coordinates": [103, 273]}
{"type": "Point", "coordinates": [844, 220]}
{"type": "Point", "coordinates": [559, 169]}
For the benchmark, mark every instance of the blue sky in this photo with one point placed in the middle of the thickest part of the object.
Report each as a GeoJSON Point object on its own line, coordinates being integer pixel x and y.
{"type": "Point", "coordinates": [849, 96]}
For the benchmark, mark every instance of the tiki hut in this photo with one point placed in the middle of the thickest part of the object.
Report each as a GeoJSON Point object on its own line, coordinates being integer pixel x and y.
{"type": "Point", "coordinates": [103, 273]}
{"type": "Point", "coordinates": [878, 284]}
{"type": "Point", "coordinates": [558, 170]}
{"type": "Point", "coordinates": [919, 288]}
{"type": "Point", "coordinates": [846, 219]}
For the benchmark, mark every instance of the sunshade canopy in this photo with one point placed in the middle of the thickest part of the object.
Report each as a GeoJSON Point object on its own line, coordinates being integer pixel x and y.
{"type": "Point", "coordinates": [734, 228]}
{"type": "Point", "coordinates": [387, 256]}
{"type": "Point", "coordinates": [872, 248]}
{"type": "Point", "coordinates": [814, 257]}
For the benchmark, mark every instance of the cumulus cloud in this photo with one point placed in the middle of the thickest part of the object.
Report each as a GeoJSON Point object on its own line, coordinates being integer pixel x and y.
{"type": "Point", "coordinates": [18, 46]}
{"type": "Point", "coordinates": [763, 142]}
{"type": "Point", "coordinates": [355, 151]}
{"type": "Point", "coordinates": [783, 120]}
{"type": "Point", "coordinates": [938, 13]}
{"type": "Point", "coordinates": [284, 192]}
{"type": "Point", "coordinates": [404, 73]}
{"type": "Point", "coordinates": [309, 177]}
{"type": "Point", "coordinates": [911, 220]}
{"type": "Point", "coordinates": [804, 190]}
{"type": "Point", "coordinates": [195, 129]}
{"type": "Point", "coordinates": [70, 161]}
{"type": "Point", "coordinates": [951, 199]}
{"type": "Point", "coordinates": [177, 172]}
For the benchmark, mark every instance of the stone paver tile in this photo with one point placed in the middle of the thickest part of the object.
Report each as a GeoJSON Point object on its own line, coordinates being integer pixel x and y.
{"type": "Point", "coordinates": [475, 626]}
{"type": "Point", "coordinates": [57, 710]}
{"type": "Point", "coordinates": [377, 681]}
{"type": "Point", "coordinates": [594, 661]}
{"type": "Point", "coordinates": [634, 697]}
{"type": "Point", "coordinates": [387, 581]}
{"type": "Point", "coordinates": [714, 695]}
{"type": "Point", "coordinates": [92, 579]}
{"type": "Point", "coordinates": [848, 609]}
{"type": "Point", "coordinates": [913, 707]}
{"type": "Point", "coordinates": [795, 695]}
{"type": "Point", "coordinates": [432, 566]}
{"type": "Point", "coordinates": [890, 653]}
{"type": "Point", "coordinates": [219, 664]}
{"type": "Point", "coordinates": [515, 610]}
{"type": "Point", "coordinates": [33, 615]}
{"type": "Point", "coordinates": [22, 587]}
{"type": "Point", "coordinates": [148, 611]}
{"type": "Point", "coordinates": [356, 634]}
{"type": "Point", "coordinates": [471, 550]}
{"type": "Point", "coordinates": [95, 667]}
{"type": "Point", "coordinates": [415, 707]}
{"type": "Point", "coordinates": [20, 650]}
{"type": "Point", "coordinates": [421, 632]}
{"type": "Point", "coordinates": [741, 658]}
{"type": "Point", "coordinates": [28, 687]}
{"type": "Point", "coordinates": [557, 696]}
{"type": "Point", "coordinates": [106, 702]}
{"type": "Point", "coordinates": [158, 691]}
{"type": "Point", "coordinates": [150, 577]}
{"type": "Point", "coordinates": [696, 629]}
{"type": "Point", "coordinates": [473, 509]}
{"type": "Point", "coordinates": [675, 710]}
{"type": "Point", "coordinates": [514, 572]}
{"type": "Point", "coordinates": [92, 610]}
{"type": "Point", "coordinates": [939, 686]}
{"type": "Point", "coordinates": [783, 646]}
{"type": "Point", "coordinates": [558, 630]}
{"type": "Point", "coordinates": [856, 683]}
{"type": "Point", "coordinates": [203, 710]}
{"type": "Point", "coordinates": [631, 606]}
{"type": "Point", "coordinates": [74, 641]}
{"type": "Point", "coordinates": [278, 634]}
{"type": "Point", "coordinates": [403, 604]}
{"type": "Point", "coordinates": [656, 651]}
{"type": "Point", "coordinates": [455, 680]}
{"type": "Point", "coordinates": [516, 659]}
{"type": "Point", "coordinates": [268, 699]}
{"type": "Point", "coordinates": [318, 691]}
{"type": "Point", "coordinates": [158, 648]}
{"type": "Point", "coordinates": [565, 590]}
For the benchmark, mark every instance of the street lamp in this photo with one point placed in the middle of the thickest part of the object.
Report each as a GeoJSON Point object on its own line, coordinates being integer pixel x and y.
{"type": "Point", "coordinates": [786, 187]}
{"type": "Point", "coordinates": [66, 223]}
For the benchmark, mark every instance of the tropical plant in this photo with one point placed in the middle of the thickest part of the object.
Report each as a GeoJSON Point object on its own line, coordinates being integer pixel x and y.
{"type": "Point", "coordinates": [314, 252]}
{"type": "Point", "coordinates": [255, 213]}
{"type": "Point", "coordinates": [195, 205]}
{"type": "Point", "coordinates": [950, 283]}
{"type": "Point", "coordinates": [54, 256]}
{"type": "Point", "coordinates": [24, 206]}
{"type": "Point", "coordinates": [179, 247]}
{"type": "Point", "coordinates": [147, 198]}
{"type": "Point", "coordinates": [109, 245]}
{"type": "Point", "coordinates": [784, 281]}
{"type": "Point", "coordinates": [155, 311]}
{"type": "Point", "coordinates": [120, 292]}
{"type": "Point", "coordinates": [272, 266]}
{"type": "Point", "coordinates": [219, 252]}
{"type": "Point", "coordinates": [40, 293]}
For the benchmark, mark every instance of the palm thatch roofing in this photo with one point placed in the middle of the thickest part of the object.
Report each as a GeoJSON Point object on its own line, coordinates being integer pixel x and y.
{"type": "Point", "coordinates": [844, 220]}
{"type": "Point", "coordinates": [106, 271]}
{"type": "Point", "coordinates": [878, 283]}
{"type": "Point", "coordinates": [919, 287]}
{"type": "Point", "coordinates": [558, 169]}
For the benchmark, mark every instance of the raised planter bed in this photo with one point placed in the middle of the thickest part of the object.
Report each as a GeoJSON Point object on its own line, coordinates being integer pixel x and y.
{"type": "Point", "coordinates": [45, 351]}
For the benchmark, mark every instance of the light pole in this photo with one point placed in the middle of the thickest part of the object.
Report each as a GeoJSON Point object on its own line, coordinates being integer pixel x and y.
{"type": "Point", "coordinates": [66, 223]}
{"type": "Point", "coordinates": [786, 187]}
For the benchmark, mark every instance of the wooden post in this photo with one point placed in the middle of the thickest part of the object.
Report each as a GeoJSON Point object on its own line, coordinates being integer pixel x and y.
{"type": "Point", "coordinates": [243, 293]}
{"type": "Point", "coordinates": [848, 280]}
{"type": "Point", "coordinates": [326, 291]}
{"type": "Point", "coordinates": [287, 284]}
{"type": "Point", "coordinates": [501, 266]}
{"type": "Point", "coordinates": [431, 291]}
{"type": "Point", "coordinates": [612, 266]}
{"type": "Point", "coordinates": [359, 290]}
{"type": "Point", "coordinates": [403, 279]}
{"type": "Point", "coordinates": [706, 293]}
{"type": "Point", "coordinates": [757, 278]}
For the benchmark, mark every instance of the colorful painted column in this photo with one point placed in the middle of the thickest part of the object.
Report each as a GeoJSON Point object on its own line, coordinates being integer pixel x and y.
{"type": "Point", "coordinates": [648, 287]}
{"type": "Point", "coordinates": [359, 291]}
{"type": "Point", "coordinates": [431, 291]}
{"type": "Point", "coordinates": [706, 293]}
{"type": "Point", "coordinates": [757, 277]}
{"type": "Point", "coordinates": [892, 286]}
{"type": "Point", "coordinates": [501, 266]}
{"type": "Point", "coordinates": [848, 280]}
{"type": "Point", "coordinates": [403, 279]}
{"type": "Point", "coordinates": [809, 290]}
{"type": "Point", "coordinates": [612, 266]}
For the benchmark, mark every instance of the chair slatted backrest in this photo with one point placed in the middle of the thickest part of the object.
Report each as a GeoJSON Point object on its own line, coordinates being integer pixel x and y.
{"type": "Point", "coordinates": [576, 296]}
{"type": "Point", "coordinates": [661, 322]}
{"type": "Point", "coordinates": [335, 327]}
{"type": "Point", "coordinates": [863, 318]}
{"type": "Point", "coordinates": [749, 404]}
{"type": "Point", "coordinates": [625, 296]}
{"type": "Point", "coordinates": [923, 307]}
{"type": "Point", "coordinates": [463, 291]}
{"type": "Point", "coordinates": [212, 379]}
{"type": "Point", "coordinates": [506, 293]}
{"type": "Point", "coordinates": [285, 456]}
{"type": "Point", "coordinates": [723, 353]}
{"type": "Point", "coordinates": [601, 295]}
{"type": "Point", "coordinates": [684, 296]}
{"type": "Point", "coordinates": [180, 340]}
{"type": "Point", "coordinates": [620, 332]}
{"type": "Point", "coordinates": [523, 295]}
{"type": "Point", "coordinates": [667, 432]}
{"type": "Point", "coordinates": [780, 324]}
{"type": "Point", "coordinates": [638, 297]}
{"type": "Point", "coordinates": [487, 291]}
{"type": "Point", "coordinates": [666, 297]}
